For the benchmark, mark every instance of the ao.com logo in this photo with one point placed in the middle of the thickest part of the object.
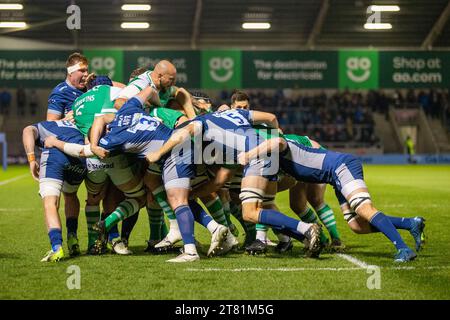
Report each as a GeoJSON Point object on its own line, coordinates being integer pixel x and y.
{"type": "Point", "coordinates": [358, 69]}
{"type": "Point", "coordinates": [104, 65]}
{"type": "Point", "coordinates": [221, 68]}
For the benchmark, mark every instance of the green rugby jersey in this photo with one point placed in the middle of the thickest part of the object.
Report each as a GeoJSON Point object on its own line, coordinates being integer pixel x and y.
{"type": "Point", "coordinates": [97, 101]}
{"type": "Point", "coordinates": [168, 116]}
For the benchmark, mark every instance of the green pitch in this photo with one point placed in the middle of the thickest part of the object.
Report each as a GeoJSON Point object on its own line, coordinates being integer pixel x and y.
{"type": "Point", "coordinates": [396, 190]}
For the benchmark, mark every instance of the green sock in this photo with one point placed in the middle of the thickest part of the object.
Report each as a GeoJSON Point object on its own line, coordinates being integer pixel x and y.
{"type": "Point", "coordinates": [215, 208]}
{"type": "Point", "coordinates": [326, 215]}
{"type": "Point", "coordinates": [309, 216]}
{"type": "Point", "coordinates": [227, 211]}
{"type": "Point", "coordinates": [156, 219]}
{"type": "Point", "coordinates": [161, 197]}
{"type": "Point", "coordinates": [92, 217]}
{"type": "Point", "coordinates": [125, 209]}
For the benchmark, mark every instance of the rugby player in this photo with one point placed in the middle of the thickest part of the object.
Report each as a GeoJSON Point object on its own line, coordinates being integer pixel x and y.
{"type": "Point", "coordinates": [56, 172]}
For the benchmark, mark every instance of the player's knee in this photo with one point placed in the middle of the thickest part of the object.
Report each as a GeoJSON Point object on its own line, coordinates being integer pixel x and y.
{"type": "Point", "coordinates": [359, 201]}
{"type": "Point", "coordinates": [315, 200]}
{"type": "Point", "coordinates": [138, 191]}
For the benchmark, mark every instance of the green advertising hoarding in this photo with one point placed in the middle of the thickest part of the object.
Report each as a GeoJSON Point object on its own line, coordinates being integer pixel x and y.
{"type": "Point", "coordinates": [221, 69]}
{"type": "Point", "coordinates": [414, 69]}
{"type": "Point", "coordinates": [358, 69]}
{"type": "Point", "coordinates": [37, 68]}
{"type": "Point", "coordinates": [106, 62]}
{"type": "Point", "coordinates": [186, 62]}
{"type": "Point", "coordinates": [289, 69]}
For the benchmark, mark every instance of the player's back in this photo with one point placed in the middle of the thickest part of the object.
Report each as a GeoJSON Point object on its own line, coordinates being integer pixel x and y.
{"type": "Point", "coordinates": [311, 164]}
{"type": "Point", "coordinates": [97, 101]}
{"type": "Point", "coordinates": [134, 132]}
{"type": "Point", "coordinates": [63, 130]}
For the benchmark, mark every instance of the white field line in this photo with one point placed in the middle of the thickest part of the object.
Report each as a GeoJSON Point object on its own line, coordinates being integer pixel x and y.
{"type": "Point", "coordinates": [307, 269]}
{"type": "Point", "coordinates": [13, 179]}
{"type": "Point", "coordinates": [16, 209]}
{"type": "Point", "coordinates": [268, 269]}
{"type": "Point", "coordinates": [353, 260]}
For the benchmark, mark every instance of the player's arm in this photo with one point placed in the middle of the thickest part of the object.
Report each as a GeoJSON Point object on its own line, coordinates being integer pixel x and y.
{"type": "Point", "coordinates": [96, 132]}
{"type": "Point", "coordinates": [29, 136]}
{"type": "Point", "coordinates": [223, 175]}
{"type": "Point", "coordinates": [277, 144]}
{"type": "Point", "coordinates": [178, 137]}
{"type": "Point", "coordinates": [133, 88]}
{"type": "Point", "coordinates": [184, 99]}
{"type": "Point", "coordinates": [55, 108]}
{"type": "Point", "coordinates": [118, 84]}
{"type": "Point", "coordinates": [259, 117]}
{"type": "Point", "coordinates": [72, 149]}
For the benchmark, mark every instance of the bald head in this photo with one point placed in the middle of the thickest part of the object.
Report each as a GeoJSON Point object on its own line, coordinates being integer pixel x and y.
{"type": "Point", "coordinates": [164, 74]}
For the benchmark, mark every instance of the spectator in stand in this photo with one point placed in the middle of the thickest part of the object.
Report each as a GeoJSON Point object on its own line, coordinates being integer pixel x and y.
{"type": "Point", "coordinates": [424, 101]}
{"type": "Point", "coordinates": [34, 102]}
{"type": "Point", "coordinates": [21, 98]}
{"type": "Point", "coordinates": [5, 102]}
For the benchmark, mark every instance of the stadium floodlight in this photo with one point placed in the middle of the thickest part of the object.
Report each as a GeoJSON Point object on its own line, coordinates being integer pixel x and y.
{"type": "Point", "coordinates": [136, 7]}
{"type": "Point", "coordinates": [135, 25]}
{"type": "Point", "coordinates": [11, 24]}
{"type": "Point", "coordinates": [378, 8]}
{"type": "Point", "coordinates": [256, 25]}
{"type": "Point", "coordinates": [11, 6]}
{"type": "Point", "coordinates": [377, 26]}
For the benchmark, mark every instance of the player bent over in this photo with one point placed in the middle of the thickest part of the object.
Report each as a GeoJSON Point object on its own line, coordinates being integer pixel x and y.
{"type": "Point", "coordinates": [345, 173]}
{"type": "Point", "coordinates": [56, 172]}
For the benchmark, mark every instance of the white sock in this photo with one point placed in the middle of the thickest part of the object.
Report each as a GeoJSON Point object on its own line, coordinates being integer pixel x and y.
{"type": "Point", "coordinates": [212, 225]}
{"type": "Point", "coordinates": [190, 248]}
{"type": "Point", "coordinates": [261, 235]}
{"type": "Point", "coordinates": [173, 225]}
{"type": "Point", "coordinates": [303, 227]}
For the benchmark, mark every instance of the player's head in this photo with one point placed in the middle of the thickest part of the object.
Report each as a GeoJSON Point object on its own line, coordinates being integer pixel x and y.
{"type": "Point", "coordinates": [166, 74]}
{"type": "Point", "coordinates": [240, 100]}
{"type": "Point", "coordinates": [137, 72]}
{"type": "Point", "coordinates": [201, 102]}
{"type": "Point", "coordinates": [97, 81]}
{"type": "Point", "coordinates": [77, 70]}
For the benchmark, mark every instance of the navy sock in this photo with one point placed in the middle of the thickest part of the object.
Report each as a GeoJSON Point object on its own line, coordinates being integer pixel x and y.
{"type": "Point", "coordinates": [400, 223]}
{"type": "Point", "coordinates": [199, 214]}
{"type": "Point", "coordinates": [128, 225]}
{"type": "Point", "coordinates": [72, 225]}
{"type": "Point", "coordinates": [185, 221]}
{"type": "Point", "coordinates": [274, 218]}
{"type": "Point", "coordinates": [383, 223]}
{"type": "Point", "coordinates": [291, 233]}
{"type": "Point", "coordinates": [55, 236]}
{"type": "Point", "coordinates": [113, 233]}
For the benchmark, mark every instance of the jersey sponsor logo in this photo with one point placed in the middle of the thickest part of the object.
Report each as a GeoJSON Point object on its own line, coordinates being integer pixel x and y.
{"type": "Point", "coordinates": [104, 141]}
{"type": "Point", "coordinates": [75, 168]}
{"type": "Point", "coordinates": [99, 166]}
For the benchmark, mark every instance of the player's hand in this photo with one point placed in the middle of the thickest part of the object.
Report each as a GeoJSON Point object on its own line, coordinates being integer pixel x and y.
{"type": "Point", "coordinates": [223, 107]}
{"type": "Point", "coordinates": [99, 152]}
{"type": "Point", "coordinates": [69, 117]}
{"type": "Point", "coordinates": [50, 142]}
{"type": "Point", "coordinates": [34, 169]}
{"type": "Point", "coordinates": [153, 157]}
{"type": "Point", "coordinates": [243, 158]}
{"type": "Point", "coordinates": [90, 77]}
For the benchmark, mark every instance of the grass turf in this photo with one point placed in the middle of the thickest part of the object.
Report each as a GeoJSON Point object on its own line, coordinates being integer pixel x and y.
{"type": "Point", "coordinates": [397, 190]}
